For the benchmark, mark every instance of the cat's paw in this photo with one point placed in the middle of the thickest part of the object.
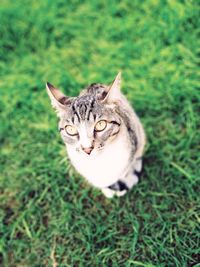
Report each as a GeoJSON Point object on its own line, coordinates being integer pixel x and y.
{"type": "Point", "coordinates": [109, 193]}
{"type": "Point", "coordinates": [120, 193]}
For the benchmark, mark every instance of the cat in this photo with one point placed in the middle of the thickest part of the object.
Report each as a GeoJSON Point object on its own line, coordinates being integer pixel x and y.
{"type": "Point", "coordinates": [103, 135]}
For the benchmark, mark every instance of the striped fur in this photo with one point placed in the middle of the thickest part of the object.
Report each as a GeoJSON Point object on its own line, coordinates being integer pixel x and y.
{"type": "Point", "coordinates": [110, 159]}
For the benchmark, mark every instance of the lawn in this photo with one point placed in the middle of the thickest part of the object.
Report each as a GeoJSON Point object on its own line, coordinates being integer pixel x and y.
{"type": "Point", "coordinates": [49, 216]}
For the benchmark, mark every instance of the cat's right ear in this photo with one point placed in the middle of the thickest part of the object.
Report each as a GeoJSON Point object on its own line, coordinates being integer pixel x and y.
{"type": "Point", "coordinates": [58, 100]}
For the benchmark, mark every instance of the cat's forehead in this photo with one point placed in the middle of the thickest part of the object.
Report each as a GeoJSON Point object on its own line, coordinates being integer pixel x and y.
{"type": "Point", "coordinates": [87, 99]}
{"type": "Point", "coordinates": [84, 107]}
{"type": "Point", "coordinates": [88, 106]}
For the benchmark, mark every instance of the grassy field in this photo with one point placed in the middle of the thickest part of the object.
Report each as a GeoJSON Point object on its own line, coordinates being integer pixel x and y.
{"type": "Point", "coordinates": [48, 215]}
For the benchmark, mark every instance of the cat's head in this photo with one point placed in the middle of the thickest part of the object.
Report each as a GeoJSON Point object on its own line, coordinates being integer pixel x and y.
{"type": "Point", "coordinates": [90, 121]}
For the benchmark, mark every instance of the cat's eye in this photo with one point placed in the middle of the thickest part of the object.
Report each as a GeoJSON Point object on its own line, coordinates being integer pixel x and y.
{"type": "Point", "coordinates": [71, 130]}
{"type": "Point", "coordinates": [100, 126]}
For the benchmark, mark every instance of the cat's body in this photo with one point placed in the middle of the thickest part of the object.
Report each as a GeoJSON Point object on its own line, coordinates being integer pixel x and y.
{"type": "Point", "coordinates": [97, 168]}
{"type": "Point", "coordinates": [103, 136]}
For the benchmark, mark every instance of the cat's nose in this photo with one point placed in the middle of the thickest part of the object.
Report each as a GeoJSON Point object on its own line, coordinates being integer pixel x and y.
{"type": "Point", "coordinates": [87, 150]}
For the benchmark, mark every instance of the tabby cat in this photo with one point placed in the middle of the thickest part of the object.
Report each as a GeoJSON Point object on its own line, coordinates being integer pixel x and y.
{"type": "Point", "coordinates": [104, 137]}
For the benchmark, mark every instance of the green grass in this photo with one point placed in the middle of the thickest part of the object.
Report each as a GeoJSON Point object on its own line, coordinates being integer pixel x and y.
{"type": "Point", "coordinates": [48, 213]}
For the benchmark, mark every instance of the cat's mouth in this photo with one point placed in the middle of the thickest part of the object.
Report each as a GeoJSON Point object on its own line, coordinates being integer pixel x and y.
{"type": "Point", "coordinates": [87, 150]}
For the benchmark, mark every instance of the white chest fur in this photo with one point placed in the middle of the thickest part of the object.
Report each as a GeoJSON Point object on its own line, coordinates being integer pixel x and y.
{"type": "Point", "coordinates": [106, 167]}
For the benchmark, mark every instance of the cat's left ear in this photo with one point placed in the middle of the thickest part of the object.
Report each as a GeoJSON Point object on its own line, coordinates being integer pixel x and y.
{"type": "Point", "coordinates": [113, 91]}
{"type": "Point", "coordinates": [58, 100]}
